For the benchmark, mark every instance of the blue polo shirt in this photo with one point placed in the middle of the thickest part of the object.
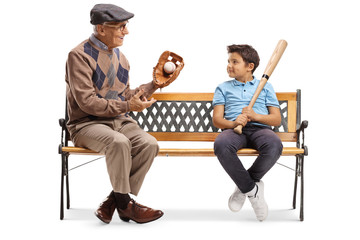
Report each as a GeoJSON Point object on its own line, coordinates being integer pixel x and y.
{"type": "Point", "coordinates": [235, 95]}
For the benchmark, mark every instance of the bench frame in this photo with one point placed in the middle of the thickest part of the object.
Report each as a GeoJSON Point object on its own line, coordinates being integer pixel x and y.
{"type": "Point", "coordinates": [188, 117]}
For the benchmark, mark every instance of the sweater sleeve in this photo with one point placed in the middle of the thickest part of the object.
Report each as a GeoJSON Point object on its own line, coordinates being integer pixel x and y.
{"type": "Point", "coordinates": [149, 89]}
{"type": "Point", "coordinates": [79, 75]}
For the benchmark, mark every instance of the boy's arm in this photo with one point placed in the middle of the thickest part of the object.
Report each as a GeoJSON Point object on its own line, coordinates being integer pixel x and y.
{"type": "Point", "coordinates": [272, 119]}
{"type": "Point", "coordinates": [220, 122]}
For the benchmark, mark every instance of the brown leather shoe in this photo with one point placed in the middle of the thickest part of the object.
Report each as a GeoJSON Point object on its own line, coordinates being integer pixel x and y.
{"type": "Point", "coordinates": [106, 208]}
{"type": "Point", "coordinates": [139, 213]}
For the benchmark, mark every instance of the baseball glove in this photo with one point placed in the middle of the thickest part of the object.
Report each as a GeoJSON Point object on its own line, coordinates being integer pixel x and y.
{"type": "Point", "coordinates": [160, 77]}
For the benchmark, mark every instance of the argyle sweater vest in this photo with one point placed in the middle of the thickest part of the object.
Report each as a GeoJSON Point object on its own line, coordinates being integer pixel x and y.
{"type": "Point", "coordinates": [97, 83]}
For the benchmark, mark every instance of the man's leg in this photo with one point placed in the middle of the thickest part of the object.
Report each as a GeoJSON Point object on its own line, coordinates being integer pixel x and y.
{"type": "Point", "coordinates": [116, 147]}
{"type": "Point", "coordinates": [144, 149]}
{"type": "Point", "coordinates": [122, 156]}
{"type": "Point", "coordinates": [102, 138]}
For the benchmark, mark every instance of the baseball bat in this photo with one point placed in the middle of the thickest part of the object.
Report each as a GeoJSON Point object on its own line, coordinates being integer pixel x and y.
{"type": "Point", "coordinates": [275, 57]}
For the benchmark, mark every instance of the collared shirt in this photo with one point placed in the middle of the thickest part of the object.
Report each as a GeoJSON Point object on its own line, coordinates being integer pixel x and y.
{"type": "Point", "coordinates": [98, 43]}
{"type": "Point", "coordinates": [235, 95]}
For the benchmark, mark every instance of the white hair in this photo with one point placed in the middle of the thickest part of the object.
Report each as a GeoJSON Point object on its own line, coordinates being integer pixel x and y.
{"type": "Point", "coordinates": [95, 29]}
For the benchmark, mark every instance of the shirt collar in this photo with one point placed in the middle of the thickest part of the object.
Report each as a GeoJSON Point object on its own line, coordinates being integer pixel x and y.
{"type": "Point", "coordinates": [238, 83]}
{"type": "Point", "coordinates": [98, 43]}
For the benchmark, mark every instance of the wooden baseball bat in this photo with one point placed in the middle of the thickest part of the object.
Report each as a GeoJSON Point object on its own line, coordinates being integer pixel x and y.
{"type": "Point", "coordinates": [275, 57]}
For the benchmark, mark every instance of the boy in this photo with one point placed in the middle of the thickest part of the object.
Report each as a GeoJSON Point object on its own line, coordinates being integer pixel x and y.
{"type": "Point", "coordinates": [230, 103]}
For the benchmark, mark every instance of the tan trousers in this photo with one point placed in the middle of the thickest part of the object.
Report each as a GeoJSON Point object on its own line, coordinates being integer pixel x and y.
{"type": "Point", "coordinates": [129, 150]}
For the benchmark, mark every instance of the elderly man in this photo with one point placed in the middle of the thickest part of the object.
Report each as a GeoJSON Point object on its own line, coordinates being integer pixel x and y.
{"type": "Point", "coordinates": [99, 99]}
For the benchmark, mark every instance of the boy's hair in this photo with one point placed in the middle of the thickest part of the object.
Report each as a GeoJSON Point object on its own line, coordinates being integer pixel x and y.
{"type": "Point", "coordinates": [247, 52]}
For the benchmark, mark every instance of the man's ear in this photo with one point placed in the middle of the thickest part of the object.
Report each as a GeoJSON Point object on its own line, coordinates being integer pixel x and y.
{"type": "Point", "coordinates": [100, 29]}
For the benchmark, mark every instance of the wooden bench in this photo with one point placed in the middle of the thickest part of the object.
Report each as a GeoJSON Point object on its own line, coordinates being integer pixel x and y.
{"type": "Point", "coordinates": [188, 117]}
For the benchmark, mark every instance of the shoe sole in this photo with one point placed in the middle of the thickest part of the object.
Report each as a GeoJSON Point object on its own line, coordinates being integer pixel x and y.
{"type": "Point", "coordinates": [107, 222]}
{"type": "Point", "coordinates": [126, 219]}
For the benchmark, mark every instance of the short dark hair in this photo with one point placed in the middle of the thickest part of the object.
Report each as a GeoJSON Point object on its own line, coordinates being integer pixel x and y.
{"type": "Point", "coordinates": [247, 52]}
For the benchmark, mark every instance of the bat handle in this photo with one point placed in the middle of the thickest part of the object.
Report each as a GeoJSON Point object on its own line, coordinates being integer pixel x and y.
{"type": "Point", "coordinates": [238, 129]}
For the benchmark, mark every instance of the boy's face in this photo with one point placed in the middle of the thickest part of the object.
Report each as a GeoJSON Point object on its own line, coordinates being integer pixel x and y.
{"type": "Point", "coordinates": [238, 69]}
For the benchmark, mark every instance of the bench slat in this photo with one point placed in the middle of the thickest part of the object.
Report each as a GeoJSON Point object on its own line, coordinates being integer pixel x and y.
{"type": "Point", "coordinates": [174, 152]}
{"type": "Point", "coordinates": [187, 152]}
{"type": "Point", "coordinates": [208, 136]}
{"type": "Point", "coordinates": [181, 96]}
{"type": "Point", "coordinates": [174, 96]}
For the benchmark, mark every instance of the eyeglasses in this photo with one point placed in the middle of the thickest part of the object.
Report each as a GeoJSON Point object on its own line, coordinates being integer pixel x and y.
{"type": "Point", "coordinates": [120, 28]}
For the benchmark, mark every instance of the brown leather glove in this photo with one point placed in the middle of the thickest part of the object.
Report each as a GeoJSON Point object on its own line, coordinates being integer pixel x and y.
{"type": "Point", "coordinates": [160, 77]}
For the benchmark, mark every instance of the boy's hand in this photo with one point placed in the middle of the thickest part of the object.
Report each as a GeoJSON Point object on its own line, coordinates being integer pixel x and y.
{"type": "Point", "coordinates": [242, 120]}
{"type": "Point", "coordinates": [249, 112]}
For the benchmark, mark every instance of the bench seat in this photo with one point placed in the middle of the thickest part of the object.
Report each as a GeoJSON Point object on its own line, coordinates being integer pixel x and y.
{"type": "Point", "coordinates": [188, 152]}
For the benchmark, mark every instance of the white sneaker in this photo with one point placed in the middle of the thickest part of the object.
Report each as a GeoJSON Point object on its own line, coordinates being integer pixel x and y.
{"type": "Point", "coordinates": [258, 202]}
{"type": "Point", "coordinates": [236, 200]}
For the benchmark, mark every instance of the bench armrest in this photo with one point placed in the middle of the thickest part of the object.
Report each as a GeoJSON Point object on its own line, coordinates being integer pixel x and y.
{"type": "Point", "coordinates": [63, 140]}
{"type": "Point", "coordinates": [62, 122]}
{"type": "Point", "coordinates": [301, 132]}
{"type": "Point", "coordinates": [304, 124]}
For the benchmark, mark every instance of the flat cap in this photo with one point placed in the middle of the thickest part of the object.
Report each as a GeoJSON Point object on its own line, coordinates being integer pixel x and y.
{"type": "Point", "coordinates": [101, 13]}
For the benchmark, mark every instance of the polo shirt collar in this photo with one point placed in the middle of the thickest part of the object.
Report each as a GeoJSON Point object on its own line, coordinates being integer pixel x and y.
{"type": "Point", "coordinates": [238, 83]}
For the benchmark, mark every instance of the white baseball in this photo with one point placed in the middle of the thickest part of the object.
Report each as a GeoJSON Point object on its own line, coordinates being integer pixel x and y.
{"type": "Point", "coordinates": [169, 67]}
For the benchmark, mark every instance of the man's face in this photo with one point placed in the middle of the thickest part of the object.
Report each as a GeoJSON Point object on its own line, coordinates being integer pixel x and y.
{"type": "Point", "coordinates": [237, 68]}
{"type": "Point", "coordinates": [114, 33]}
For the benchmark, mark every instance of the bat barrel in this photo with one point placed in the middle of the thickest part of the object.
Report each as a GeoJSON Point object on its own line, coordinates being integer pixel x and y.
{"type": "Point", "coordinates": [275, 58]}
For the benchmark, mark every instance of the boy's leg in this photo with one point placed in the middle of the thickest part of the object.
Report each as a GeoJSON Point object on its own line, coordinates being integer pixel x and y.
{"type": "Point", "coordinates": [270, 148]}
{"type": "Point", "coordinates": [226, 146]}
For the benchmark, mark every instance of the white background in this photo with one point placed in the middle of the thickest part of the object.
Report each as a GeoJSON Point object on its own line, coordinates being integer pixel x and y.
{"type": "Point", "coordinates": [321, 60]}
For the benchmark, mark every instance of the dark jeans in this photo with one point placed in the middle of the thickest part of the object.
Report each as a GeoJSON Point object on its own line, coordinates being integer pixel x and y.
{"type": "Point", "coordinates": [260, 138]}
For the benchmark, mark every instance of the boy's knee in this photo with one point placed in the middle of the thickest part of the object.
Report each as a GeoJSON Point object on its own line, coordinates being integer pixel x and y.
{"type": "Point", "coordinates": [218, 146]}
{"type": "Point", "coordinates": [274, 148]}
{"type": "Point", "coordinates": [223, 147]}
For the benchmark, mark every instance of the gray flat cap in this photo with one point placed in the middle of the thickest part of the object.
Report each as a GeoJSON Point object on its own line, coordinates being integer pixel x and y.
{"type": "Point", "coordinates": [108, 13]}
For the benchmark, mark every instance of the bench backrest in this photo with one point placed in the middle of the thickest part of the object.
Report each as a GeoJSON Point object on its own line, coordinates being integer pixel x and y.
{"type": "Point", "coordinates": [188, 117]}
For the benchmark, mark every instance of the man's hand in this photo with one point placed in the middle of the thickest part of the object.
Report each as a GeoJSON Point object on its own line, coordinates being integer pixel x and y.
{"type": "Point", "coordinates": [136, 104]}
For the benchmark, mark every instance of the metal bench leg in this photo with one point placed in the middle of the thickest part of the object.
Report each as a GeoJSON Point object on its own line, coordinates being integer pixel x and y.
{"type": "Point", "coordinates": [296, 180]}
{"type": "Point", "coordinates": [67, 183]}
{"type": "Point", "coordinates": [62, 187]}
{"type": "Point", "coordinates": [302, 189]}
